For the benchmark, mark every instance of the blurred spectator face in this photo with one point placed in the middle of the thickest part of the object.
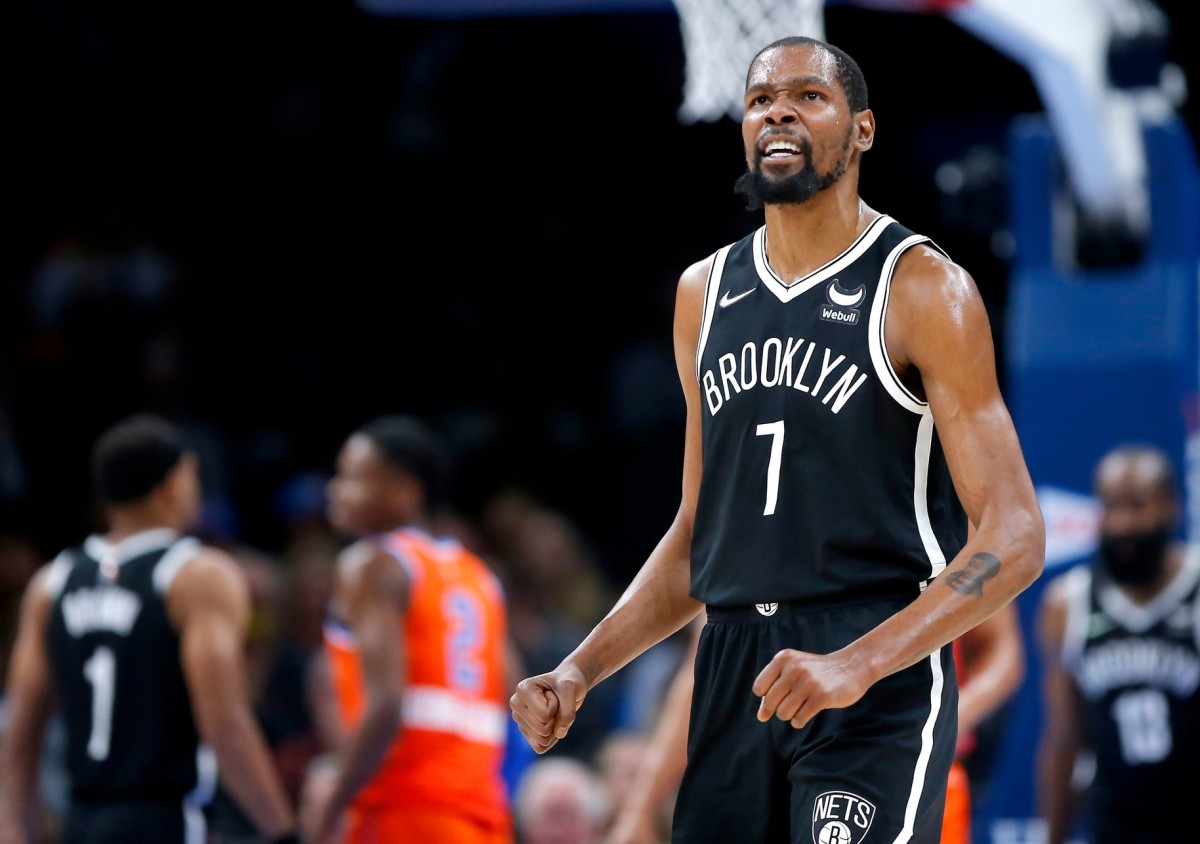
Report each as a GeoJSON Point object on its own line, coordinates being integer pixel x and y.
{"type": "Point", "coordinates": [1137, 518]}
{"type": "Point", "coordinates": [562, 818]}
{"type": "Point", "coordinates": [561, 801]}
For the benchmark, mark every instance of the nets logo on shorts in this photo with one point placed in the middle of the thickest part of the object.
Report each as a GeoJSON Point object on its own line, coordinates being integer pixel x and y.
{"type": "Point", "coordinates": [840, 817]}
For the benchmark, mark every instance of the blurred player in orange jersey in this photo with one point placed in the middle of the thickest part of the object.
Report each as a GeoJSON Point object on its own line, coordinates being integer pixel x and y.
{"type": "Point", "coordinates": [418, 658]}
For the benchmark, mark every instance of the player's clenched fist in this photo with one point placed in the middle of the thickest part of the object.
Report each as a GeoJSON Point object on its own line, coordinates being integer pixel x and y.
{"type": "Point", "coordinates": [544, 706]}
{"type": "Point", "coordinates": [795, 686]}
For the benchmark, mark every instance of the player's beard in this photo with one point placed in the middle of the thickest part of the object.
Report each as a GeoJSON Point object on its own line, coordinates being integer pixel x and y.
{"type": "Point", "coordinates": [1135, 559]}
{"type": "Point", "coordinates": [756, 190]}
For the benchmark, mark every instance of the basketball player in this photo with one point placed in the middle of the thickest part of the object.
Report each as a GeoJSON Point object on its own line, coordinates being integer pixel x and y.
{"type": "Point", "coordinates": [841, 399]}
{"type": "Point", "coordinates": [1122, 667]}
{"type": "Point", "coordinates": [417, 647]}
{"type": "Point", "coordinates": [138, 634]}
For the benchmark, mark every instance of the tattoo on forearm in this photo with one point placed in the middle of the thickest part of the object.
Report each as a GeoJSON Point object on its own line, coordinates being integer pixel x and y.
{"type": "Point", "coordinates": [591, 672]}
{"type": "Point", "coordinates": [980, 568]}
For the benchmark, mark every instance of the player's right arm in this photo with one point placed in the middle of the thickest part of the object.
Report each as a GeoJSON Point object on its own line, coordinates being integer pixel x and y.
{"type": "Point", "coordinates": [209, 603]}
{"type": "Point", "coordinates": [656, 603]}
{"type": "Point", "coordinates": [1062, 737]}
{"type": "Point", "coordinates": [27, 705]}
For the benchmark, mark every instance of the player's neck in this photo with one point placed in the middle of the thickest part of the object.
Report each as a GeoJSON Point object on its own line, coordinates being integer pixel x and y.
{"type": "Point", "coordinates": [392, 525]}
{"type": "Point", "coordinates": [804, 237]}
{"type": "Point", "coordinates": [125, 522]}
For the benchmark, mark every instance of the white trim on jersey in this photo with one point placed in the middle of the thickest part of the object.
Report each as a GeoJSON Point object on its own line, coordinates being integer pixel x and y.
{"type": "Point", "coordinates": [1076, 585]}
{"type": "Point", "coordinates": [195, 828]}
{"type": "Point", "coordinates": [788, 292]}
{"type": "Point", "coordinates": [172, 562]}
{"type": "Point", "coordinates": [876, 339]}
{"type": "Point", "coordinates": [97, 547]}
{"type": "Point", "coordinates": [922, 766]}
{"type": "Point", "coordinates": [56, 576]}
{"type": "Point", "coordinates": [1138, 618]}
{"type": "Point", "coordinates": [447, 711]}
{"type": "Point", "coordinates": [391, 545]}
{"type": "Point", "coordinates": [924, 446]}
{"type": "Point", "coordinates": [715, 274]}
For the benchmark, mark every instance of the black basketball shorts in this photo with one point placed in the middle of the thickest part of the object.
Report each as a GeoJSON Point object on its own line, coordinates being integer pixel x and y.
{"type": "Point", "coordinates": [871, 773]}
{"type": "Point", "coordinates": [133, 822]}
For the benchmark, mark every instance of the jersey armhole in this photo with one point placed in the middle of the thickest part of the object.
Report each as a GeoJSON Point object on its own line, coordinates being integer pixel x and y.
{"type": "Point", "coordinates": [876, 339]}
{"type": "Point", "coordinates": [1076, 588]}
{"type": "Point", "coordinates": [56, 575]}
{"type": "Point", "coordinates": [711, 285]}
{"type": "Point", "coordinates": [172, 562]}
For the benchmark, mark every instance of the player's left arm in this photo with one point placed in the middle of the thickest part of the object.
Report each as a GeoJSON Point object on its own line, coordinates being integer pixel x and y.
{"type": "Point", "coordinates": [939, 341]}
{"type": "Point", "coordinates": [209, 604]}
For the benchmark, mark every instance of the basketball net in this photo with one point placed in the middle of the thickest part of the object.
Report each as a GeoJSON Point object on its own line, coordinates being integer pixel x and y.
{"type": "Point", "coordinates": [721, 37]}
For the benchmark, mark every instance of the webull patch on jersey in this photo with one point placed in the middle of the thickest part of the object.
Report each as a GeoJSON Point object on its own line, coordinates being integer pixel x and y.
{"type": "Point", "coordinates": [843, 304]}
{"type": "Point", "coordinates": [766, 609]}
{"type": "Point", "coordinates": [840, 817]}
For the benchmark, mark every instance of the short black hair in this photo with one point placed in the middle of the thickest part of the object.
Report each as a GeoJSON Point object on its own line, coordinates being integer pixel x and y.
{"type": "Point", "coordinates": [134, 456]}
{"type": "Point", "coordinates": [850, 75]}
{"type": "Point", "coordinates": [411, 445]}
{"type": "Point", "coordinates": [1163, 474]}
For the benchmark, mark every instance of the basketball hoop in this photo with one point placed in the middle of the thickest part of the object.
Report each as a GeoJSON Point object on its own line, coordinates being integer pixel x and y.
{"type": "Point", "coordinates": [721, 37]}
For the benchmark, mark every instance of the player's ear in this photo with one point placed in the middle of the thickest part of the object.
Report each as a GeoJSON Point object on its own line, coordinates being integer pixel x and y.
{"type": "Point", "coordinates": [864, 130]}
{"type": "Point", "coordinates": [408, 495]}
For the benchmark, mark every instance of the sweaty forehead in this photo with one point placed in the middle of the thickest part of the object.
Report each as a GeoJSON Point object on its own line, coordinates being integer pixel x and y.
{"type": "Point", "coordinates": [784, 64]}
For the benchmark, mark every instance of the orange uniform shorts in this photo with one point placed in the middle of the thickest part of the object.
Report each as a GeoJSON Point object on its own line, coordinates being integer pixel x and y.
{"type": "Point", "coordinates": [956, 824]}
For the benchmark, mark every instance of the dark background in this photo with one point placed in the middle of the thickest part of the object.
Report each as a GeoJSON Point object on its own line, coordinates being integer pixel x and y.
{"type": "Point", "coordinates": [272, 221]}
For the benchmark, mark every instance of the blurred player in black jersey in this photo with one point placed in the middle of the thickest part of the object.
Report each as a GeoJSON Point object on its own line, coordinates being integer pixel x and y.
{"type": "Point", "coordinates": [844, 427]}
{"type": "Point", "coordinates": [137, 635]}
{"type": "Point", "coordinates": [1121, 648]}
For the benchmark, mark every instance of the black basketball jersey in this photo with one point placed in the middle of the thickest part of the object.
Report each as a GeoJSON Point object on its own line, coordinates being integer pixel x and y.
{"type": "Point", "coordinates": [116, 667]}
{"type": "Point", "coordinates": [824, 477]}
{"type": "Point", "coordinates": [1137, 667]}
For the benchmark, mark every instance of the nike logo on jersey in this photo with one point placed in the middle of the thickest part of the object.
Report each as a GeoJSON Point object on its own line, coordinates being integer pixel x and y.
{"type": "Point", "coordinates": [728, 300]}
